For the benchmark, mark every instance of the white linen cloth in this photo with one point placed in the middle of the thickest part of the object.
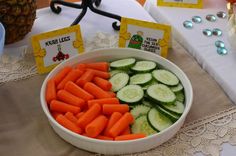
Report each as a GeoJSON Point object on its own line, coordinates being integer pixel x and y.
{"type": "Point", "coordinates": [221, 68]}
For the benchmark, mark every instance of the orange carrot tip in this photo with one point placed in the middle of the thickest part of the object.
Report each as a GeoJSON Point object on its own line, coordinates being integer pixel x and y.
{"type": "Point", "coordinates": [50, 91]}
{"type": "Point", "coordinates": [112, 94]}
{"type": "Point", "coordinates": [103, 101]}
{"type": "Point", "coordinates": [101, 137]}
{"type": "Point", "coordinates": [79, 115]}
{"type": "Point", "coordinates": [129, 137]}
{"type": "Point", "coordinates": [96, 91]}
{"type": "Point", "coordinates": [101, 74]}
{"type": "Point", "coordinates": [86, 77]}
{"type": "Point", "coordinates": [70, 116]}
{"type": "Point", "coordinates": [121, 125]}
{"type": "Point", "coordinates": [71, 76]}
{"type": "Point", "coordinates": [94, 128]}
{"type": "Point", "coordinates": [62, 74]}
{"type": "Point", "coordinates": [112, 120]}
{"type": "Point", "coordinates": [55, 114]}
{"type": "Point", "coordinates": [102, 66]}
{"type": "Point", "coordinates": [109, 109]}
{"type": "Point", "coordinates": [81, 67]}
{"type": "Point", "coordinates": [102, 83]}
{"type": "Point", "coordinates": [69, 98]}
{"type": "Point", "coordinates": [68, 124]}
{"type": "Point", "coordinates": [89, 115]}
{"type": "Point", "coordinates": [62, 107]}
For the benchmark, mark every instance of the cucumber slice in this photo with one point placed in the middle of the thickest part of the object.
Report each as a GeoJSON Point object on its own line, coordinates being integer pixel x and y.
{"type": "Point", "coordinates": [141, 125]}
{"type": "Point", "coordinates": [114, 72]}
{"type": "Point", "coordinates": [178, 107]}
{"type": "Point", "coordinates": [180, 96]}
{"type": "Point", "coordinates": [161, 94]}
{"type": "Point", "coordinates": [144, 66]}
{"type": "Point", "coordinates": [153, 82]}
{"type": "Point", "coordinates": [130, 94]}
{"type": "Point", "coordinates": [141, 79]}
{"type": "Point", "coordinates": [139, 110]}
{"type": "Point", "coordinates": [157, 120]}
{"type": "Point", "coordinates": [124, 64]}
{"type": "Point", "coordinates": [165, 77]}
{"type": "Point", "coordinates": [118, 81]}
{"type": "Point", "coordinates": [173, 117]}
{"type": "Point", "coordinates": [177, 88]}
{"type": "Point", "coordinates": [147, 103]}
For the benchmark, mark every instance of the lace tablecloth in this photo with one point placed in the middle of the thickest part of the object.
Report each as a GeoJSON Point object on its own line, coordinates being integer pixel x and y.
{"type": "Point", "coordinates": [203, 135]}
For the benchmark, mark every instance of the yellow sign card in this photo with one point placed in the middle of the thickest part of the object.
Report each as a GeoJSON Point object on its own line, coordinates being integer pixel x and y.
{"type": "Point", "coordinates": [51, 48]}
{"type": "Point", "coordinates": [144, 35]}
{"type": "Point", "coordinates": [181, 3]}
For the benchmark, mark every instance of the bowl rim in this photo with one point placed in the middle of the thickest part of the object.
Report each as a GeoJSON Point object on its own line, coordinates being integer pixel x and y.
{"type": "Point", "coordinates": [88, 139]}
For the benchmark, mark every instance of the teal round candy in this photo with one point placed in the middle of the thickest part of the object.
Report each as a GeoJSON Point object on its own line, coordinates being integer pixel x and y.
{"type": "Point", "coordinates": [197, 19]}
{"type": "Point", "coordinates": [220, 44]}
{"type": "Point", "coordinates": [221, 14]}
{"type": "Point", "coordinates": [222, 51]}
{"type": "Point", "coordinates": [211, 18]}
{"type": "Point", "coordinates": [188, 24]}
{"type": "Point", "coordinates": [217, 32]}
{"type": "Point", "coordinates": [207, 32]}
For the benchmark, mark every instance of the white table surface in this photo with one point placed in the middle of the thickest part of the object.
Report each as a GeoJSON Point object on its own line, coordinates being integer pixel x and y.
{"type": "Point", "coordinates": [222, 68]}
{"type": "Point", "coordinates": [90, 24]}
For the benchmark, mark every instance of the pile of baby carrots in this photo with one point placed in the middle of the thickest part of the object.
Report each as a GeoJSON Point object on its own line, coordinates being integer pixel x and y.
{"type": "Point", "coordinates": [81, 100]}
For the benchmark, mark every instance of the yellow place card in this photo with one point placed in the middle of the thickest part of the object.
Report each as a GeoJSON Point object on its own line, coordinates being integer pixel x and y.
{"type": "Point", "coordinates": [181, 3]}
{"type": "Point", "coordinates": [51, 48]}
{"type": "Point", "coordinates": [144, 35]}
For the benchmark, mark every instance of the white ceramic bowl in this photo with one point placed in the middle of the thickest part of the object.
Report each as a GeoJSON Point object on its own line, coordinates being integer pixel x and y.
{"type": "Point", "coordinates": [120, 147]}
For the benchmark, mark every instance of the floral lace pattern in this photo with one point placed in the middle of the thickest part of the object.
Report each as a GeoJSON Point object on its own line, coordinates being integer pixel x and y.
{"type": "Point", "coordinates": [205, 135]}
{"type": "Point", "coordinates": [13, 68]}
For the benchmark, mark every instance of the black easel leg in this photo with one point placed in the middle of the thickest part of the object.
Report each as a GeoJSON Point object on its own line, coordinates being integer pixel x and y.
{"type": "Point", "coordinates": [81, 15]}
{"type": "Point", "coordinates": [57, 9]}
{"type": "Point", "coordinates": [110, 15]}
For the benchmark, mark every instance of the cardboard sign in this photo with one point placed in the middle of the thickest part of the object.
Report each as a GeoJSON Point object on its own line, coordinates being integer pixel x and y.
{"type": "Point", "coordinates": [181, 3]}
{"type": "Point", "coordinates": [51, 48]}
{"type": "Point", "coordinates": [144, 35]}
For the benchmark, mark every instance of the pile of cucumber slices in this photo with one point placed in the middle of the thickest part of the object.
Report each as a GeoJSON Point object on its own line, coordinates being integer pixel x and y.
{"type": "Point", "coordinates": [155, 96]}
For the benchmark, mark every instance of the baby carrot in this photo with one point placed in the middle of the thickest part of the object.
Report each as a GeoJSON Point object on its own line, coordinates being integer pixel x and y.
{"type": "Point", "coordinates": [94, 128]}
{"type": "Point", "coordinates": [101, 74]}
{"type": "Point", "coordinates": [70, 116]}
{"type": "Point", "coordinates": [101, 137]}
{"type": "Point", "coordinates": [102, 83]}
{"type": "Point", "coordinates": [126, 131]}
{"type": "Point", "coordinates": [102, 66]}
{"type": "Point", "coordinates": [71, 76]}
{"type": "Point", "coordinates": [112, 94]}
{"type": "Point", "coordinates": [89, 115]}
{"type": "Point", "coordinates": [77, 91]}
{"type": "Point", "coordinates": [96, 91]}
{"type": "Point", "coordinates": [86, 77]}
{"type": "Point", "coordinates": [109, 109]}
{"type": "Point", "coordinates": [55, 114]}
{"type": "Point", "coordinates": [60, 76]}
{"type": "Point", "coordinates": [51, 91]}
{"type": "Point", "coordinates": [79, 115]}
{"type": "Point", "coordinates": [81, 67]}
{"type": "Point", "coordinates": [129, 137]}
{"type": "Point", "coordinates": [103, 101]}
{"type": "Point", "coordinates": [62, 107]}
{"type": "Point", "coordinates": [69, 98]}
{"type": "Point", "coordinates": [68, 124]}
{"type": "Point", "coordinates": [121, 125]}
{"type": "Point", "coordinates": [113, 119]}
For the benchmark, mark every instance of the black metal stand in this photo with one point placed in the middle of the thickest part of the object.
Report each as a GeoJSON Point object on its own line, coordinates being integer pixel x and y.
{"type": "Point", "coordinates": [84, 6]}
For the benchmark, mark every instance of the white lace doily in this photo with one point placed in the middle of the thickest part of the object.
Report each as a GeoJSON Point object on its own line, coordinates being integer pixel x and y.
{"type": "Point", "coordinates": [205, 135]}
{"type": "Point", "coordinates": [13, 68]}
